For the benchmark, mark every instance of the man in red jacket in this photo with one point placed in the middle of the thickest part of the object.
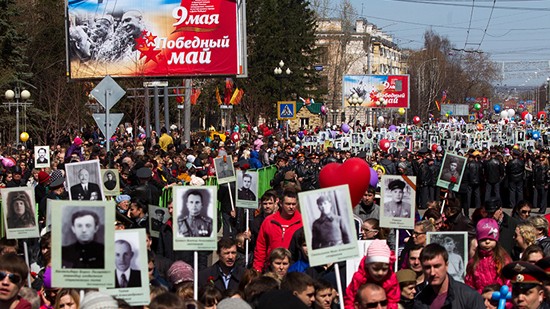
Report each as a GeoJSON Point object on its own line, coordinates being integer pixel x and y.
{"type": "Point", "coordinates": [277, 229]}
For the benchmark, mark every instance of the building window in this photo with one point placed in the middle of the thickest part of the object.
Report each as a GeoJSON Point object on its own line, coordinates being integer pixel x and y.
{"type": "Point", "coordinates": [304, 122]}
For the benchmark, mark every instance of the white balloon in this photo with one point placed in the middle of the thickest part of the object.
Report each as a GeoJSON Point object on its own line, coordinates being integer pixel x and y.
{"type": "Point", "coordinates": [328, 124]}
{"type": "Point", "coordinates": [528, 117]}
{"type": "Point", "coordinates": [504, 114]}
{"type": "Point", "coordinates": [511, 112]}
{"type": "Point", "coordinates": [381, 119]}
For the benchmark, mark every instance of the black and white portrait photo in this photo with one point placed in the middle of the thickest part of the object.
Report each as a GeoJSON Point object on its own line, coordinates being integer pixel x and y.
{"type": "Point", "coordinates": [19, 212]}
{"type": "Point", "coordinates": [41, 156]}
{"type": "Point", "coordinates": [82, 243]}
{"type": "Point", "coordinates": [225, 172]}
{"type": "Point", "coordinates": [84, 239]}
{"type": "Point", "coordinates": [451, 171]}
{"type": "Point", "coordinates": [520, 136]}
{"type": "Point", "coordinates": [397, 201]}
{"type": "Point", "coordinates": [83, 180]}
{"type": "Point", "coordinates": [247, 189]}
{"type": "Point", "coordinates": [456, 244]}
{"type": "Point", "coordinates": [328, 222]}
{"type": "Point", "coordinates": [194, 215]}
{"type": "Point", "coordinates": [127, 271]}
{"type": "Point", "coordinates": [157, 217]}
{"type": "Point", "coordinates": [111, 182]}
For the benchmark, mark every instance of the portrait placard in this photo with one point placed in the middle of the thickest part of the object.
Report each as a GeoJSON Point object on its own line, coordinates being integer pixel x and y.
{"type": "Point", "coordinates": [456, 244]}
{"type": "Point", "coordinates": [157, 217]}
{"type": "Point", "coordinates": [19, 212]}
{"type": "Point", "coordinates": [328, 225]}
{"type": "Point", "coordinates": [110, 181]}
{"type": "Point", "coordinates": [451, 171]}
{"type": "Point", "coordinates": [82, 244]}
{"type": "Point", "coordinates": [42, 156]}
{"type": "Point", "coordinates": [225, 172]}
{"type": "Point", "coordinates": [131, 275]}
{"type": "Point", "coordinates": [397, 201]}
{"type": "Point", "coordinates": [195, 218]}
{"type": "Point", "coordinates": [83, 180]}
{"type": "Point", "coordinates": [247, 189]}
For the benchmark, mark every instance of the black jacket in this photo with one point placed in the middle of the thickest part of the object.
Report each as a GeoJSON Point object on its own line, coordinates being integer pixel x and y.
{"type": "Point", "coordinates": [494, 170]}
{"type": "Point", "coordinates": [475, 169]}
{"type": "Point", "coordinates": [459, 296]}
{"type": "Point", "coordinates": [515, 170]}
{"type": "Point", "coordinates": [213, 275]}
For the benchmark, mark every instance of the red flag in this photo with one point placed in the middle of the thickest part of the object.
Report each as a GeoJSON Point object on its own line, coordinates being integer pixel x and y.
{"type": "Point", "coordinates": [228, 91]}
{"type": "Point", "coordinates": [195, 93]}
{"type": "Point", "coordinates": [438, 105]}
{"type": "Point", "coordinates": [218, 97]}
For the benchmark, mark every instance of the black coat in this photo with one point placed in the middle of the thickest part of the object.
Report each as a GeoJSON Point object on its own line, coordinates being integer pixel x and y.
{"type": "Point", "coordinates": [213, 273]}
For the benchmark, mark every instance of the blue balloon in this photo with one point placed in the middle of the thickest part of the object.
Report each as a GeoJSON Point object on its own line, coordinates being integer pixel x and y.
{"type": "Point", "coordinates": [502, 296]}
{"type": "Point", "coordinates": [497, 108]}
{"type": "Point", "coordinates": [536, 135]}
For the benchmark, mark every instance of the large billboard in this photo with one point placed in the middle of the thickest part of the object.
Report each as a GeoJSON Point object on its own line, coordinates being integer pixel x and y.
{"type": "Point", "coordinates": [127, 38]}
{"type": "Point", "coordinates": [376, 91]}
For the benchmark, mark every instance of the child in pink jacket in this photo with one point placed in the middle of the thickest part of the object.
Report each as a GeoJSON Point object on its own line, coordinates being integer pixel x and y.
{"type": "Point", "coordinates": [376, 267]}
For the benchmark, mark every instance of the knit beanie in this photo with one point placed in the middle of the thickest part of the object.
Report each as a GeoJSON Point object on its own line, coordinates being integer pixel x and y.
{"type": "Point", "coordinates": [180, 272]}
{"type": "Point", "coordinates": [233, 303]}
{"type": "Point", "coordinates": [77, 141]}
{"type": "Point", "coordinates": [43, 177]}
{"type": "Point", "coordinates": [378, 251]}
{"type": "Point", "coordinates": [98, 300]}
{"type": "Point", "coordinates": [487, 228]}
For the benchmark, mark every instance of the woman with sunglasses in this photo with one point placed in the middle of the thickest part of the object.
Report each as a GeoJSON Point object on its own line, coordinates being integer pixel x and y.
{"type": "Point", "coordinates": [522, 211]}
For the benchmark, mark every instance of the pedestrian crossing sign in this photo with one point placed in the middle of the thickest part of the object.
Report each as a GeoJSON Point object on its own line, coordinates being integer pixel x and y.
{"type": "Point", "coordinates": [286, 110]}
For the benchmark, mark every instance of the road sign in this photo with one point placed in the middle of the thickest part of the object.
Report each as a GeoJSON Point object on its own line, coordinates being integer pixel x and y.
{"type": "Point", "coordinates": [286, 110]}
{"type": "Point", "coordinates": [108, 92]}
{"type": "Point", "coordinates": [114, 120]}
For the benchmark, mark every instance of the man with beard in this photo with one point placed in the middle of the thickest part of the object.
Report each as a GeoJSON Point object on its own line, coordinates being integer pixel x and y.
{"type": "Point", "coordinates": [122, 43]}
{"type": "Point", "coordinates": [225, 274]}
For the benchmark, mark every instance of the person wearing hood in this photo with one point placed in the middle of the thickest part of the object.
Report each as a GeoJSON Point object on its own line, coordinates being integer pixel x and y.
{"type": "Point", "coordinates": [255, 162]}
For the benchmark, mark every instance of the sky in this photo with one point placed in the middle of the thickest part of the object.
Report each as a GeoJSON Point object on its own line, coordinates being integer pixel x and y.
{"type": "Point", "coordinates": [516, 33]}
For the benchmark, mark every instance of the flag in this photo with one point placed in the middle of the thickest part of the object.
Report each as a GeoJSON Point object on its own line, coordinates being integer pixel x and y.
{"type": "Point", "coordinates": [444, 96]}
{"type": "Point", "coordinates": [218, 98]}
{"type": "Point", "coordinates": [227, 92]}
{"type": "Point", "coordinates": [438, 105]}
{"type": "Point", "coordinates": [195, 93]}
{"type": "Point", "coordinates": [239, 97]}
{"type": "Point", "coordinates": [234, 96]}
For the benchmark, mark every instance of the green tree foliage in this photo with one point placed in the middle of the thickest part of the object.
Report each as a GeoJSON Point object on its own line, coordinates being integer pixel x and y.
{"type": "Point", "coordinates": [279, 30]}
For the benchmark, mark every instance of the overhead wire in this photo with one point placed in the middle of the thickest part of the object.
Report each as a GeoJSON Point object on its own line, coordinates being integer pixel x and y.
{"type": "Point", "coordinates": [469, 23]}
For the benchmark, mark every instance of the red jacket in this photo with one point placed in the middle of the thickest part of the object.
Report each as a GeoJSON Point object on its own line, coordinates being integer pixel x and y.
{"type": "Point", "coordinates": [274, 232]}
{"type": "Point", "coordinates": [389, 284]}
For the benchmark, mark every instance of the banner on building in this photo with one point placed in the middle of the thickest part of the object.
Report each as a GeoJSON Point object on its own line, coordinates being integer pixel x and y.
{"type": "Point", "coordinates": [376, 91]}
{"type": "Point", "coordinates": [127, 38]}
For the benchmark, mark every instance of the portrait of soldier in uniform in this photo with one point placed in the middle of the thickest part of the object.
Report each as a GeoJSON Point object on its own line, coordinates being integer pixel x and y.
{"type": "Point", "coordinates": [396, 207]}
{"type": "Point", "coordinates": [194, 220]}
{"type": "Point", "coordinates": [329, 229]}
{"type": "Point", "coordinates": [157, 220]}
{"type": "Point", "coordinates": [245, 193]}
{"type": "Point", "coordinates": [86, 252]}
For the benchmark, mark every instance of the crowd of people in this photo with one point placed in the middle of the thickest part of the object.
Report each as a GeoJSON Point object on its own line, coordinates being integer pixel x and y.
{"type": "Point", "coordinates": [266, 265]}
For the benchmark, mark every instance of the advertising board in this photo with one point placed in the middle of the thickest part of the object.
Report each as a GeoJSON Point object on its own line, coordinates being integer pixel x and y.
{"type": "Point", "coordinates": [376, 91]}
{"type": "Point", "coordinates": [127, 38]}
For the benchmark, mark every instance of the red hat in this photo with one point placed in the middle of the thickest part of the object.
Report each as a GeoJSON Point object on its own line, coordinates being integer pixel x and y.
{"type": "Point", "coordinates": [43, 177]}
{"type": "Point", "coordinates": [77, 141]}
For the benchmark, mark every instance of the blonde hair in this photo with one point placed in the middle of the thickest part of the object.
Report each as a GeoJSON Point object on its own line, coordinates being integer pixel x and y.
{"type": "Point", "coordinates": [528, 232]}
{"type": "Point", "coordinates": [427, 225]}
{"type": "Point", "coordinates": [540, 223]}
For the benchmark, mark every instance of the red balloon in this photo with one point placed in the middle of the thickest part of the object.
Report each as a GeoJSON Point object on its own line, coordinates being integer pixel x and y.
{"type": "Point", "coordinates": [434, 147]}
{"type": "Point", "coordinates": [541, 115]}
{"type": "Point", "coordinates": [416, 120]}
{"type": "Point", "coordinates": [384, 144]}
{"type": "Point", "coordinates": [523, 114]}
{"type": "Point", "coordinates": [335, 174]}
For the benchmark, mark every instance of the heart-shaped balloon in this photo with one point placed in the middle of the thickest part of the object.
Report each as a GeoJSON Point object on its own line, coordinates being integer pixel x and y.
{"type": "Point", "coordinates": [354, 172]}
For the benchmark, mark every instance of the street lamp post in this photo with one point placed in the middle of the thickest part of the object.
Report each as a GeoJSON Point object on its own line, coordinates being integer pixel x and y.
{"type": "Point", "coordinates": [17, 94]}
{"type": "Point", "coordinates": [278, 71]}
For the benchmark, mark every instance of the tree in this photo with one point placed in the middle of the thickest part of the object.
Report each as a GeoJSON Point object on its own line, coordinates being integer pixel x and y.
{"type": "Point", "coordinates": [279, 30]}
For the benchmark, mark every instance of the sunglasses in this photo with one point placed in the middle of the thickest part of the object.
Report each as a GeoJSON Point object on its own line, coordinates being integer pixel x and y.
{"type": "Point", "coordinates": [14, 278]}
{"type": "Point", "coordinates": [383, 303]}
{"type": "Point", "coordinates": [526, 212]}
